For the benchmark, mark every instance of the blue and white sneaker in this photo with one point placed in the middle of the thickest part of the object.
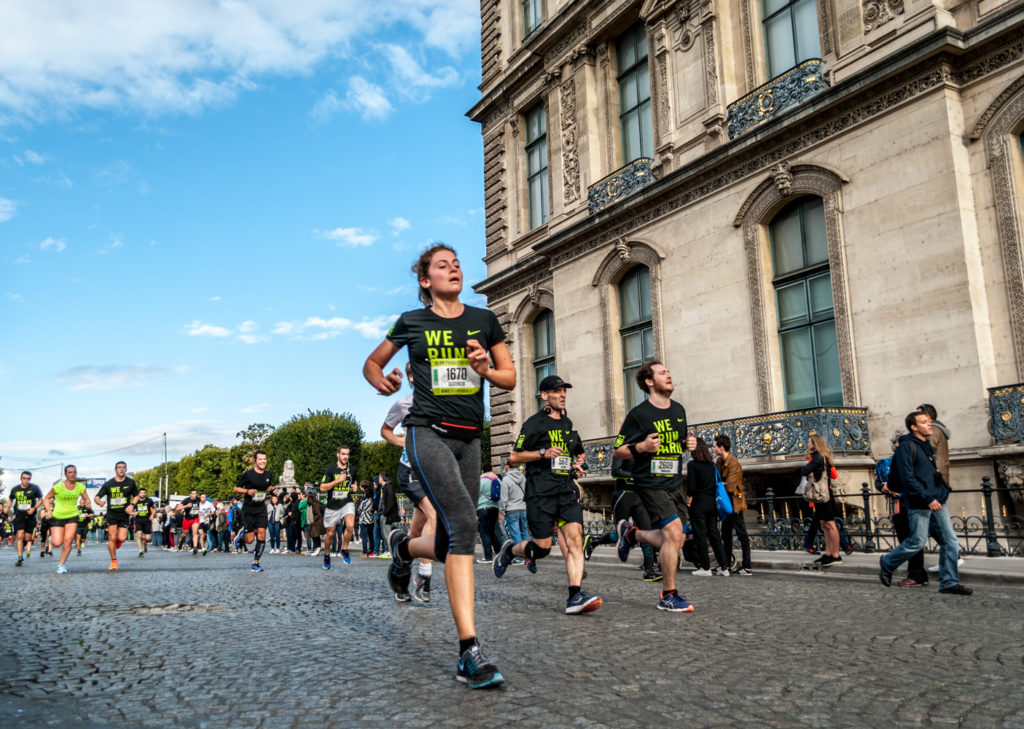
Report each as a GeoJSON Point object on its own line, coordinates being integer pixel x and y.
{"type": "Point", "coordinates": [503, 558]}
{"type": "Point", "coordinates": [476, 671]}
{"type": "Point", "coordinates": [623, 528]}
{"type": "Point", "coordinates": [345, 557]}
{"type": "Point", "coordinates": [62, 570]}
{"type": "Point", "coordinates": [326, 565]}
{"type": "Point", "coordinates": [674, 604]}
{"type": "Point", "coordinates": [581, 603]}
{"type": "Point", "coordinates": [256, 567]}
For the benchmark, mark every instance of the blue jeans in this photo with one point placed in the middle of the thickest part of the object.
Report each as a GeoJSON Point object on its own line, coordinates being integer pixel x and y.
{"type": "Point", "coordinates": [275, 534]}
{"type": "Point", "coordinates": [380, 544]}
{"type": "Point", "coordinates": [515, 522]}
{"type": "Point", "coordinates": [922, 523]}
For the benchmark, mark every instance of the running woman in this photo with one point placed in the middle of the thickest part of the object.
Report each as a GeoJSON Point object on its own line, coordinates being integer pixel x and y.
{"type": "Point", "coordinates": [61, 508]}
{"type": "Point", "coordinates": [653, 435]}
{"type": "Point", "coordinates": [254, 484]}
{"type": "Point", "coordinates": [122, 493]}
{"type": "Point", "coordinates": [337, 485]}
{"type": "Point", "coordinates": [24, 502]}
{"type": "Point", "coordinates": [144, 509]}
{"type": "Point", "coordinates": [553, 452]}
{"type": "Point", "coordinates": [424, 518]}
{"type": "Point", "coordinates": [451, 349]}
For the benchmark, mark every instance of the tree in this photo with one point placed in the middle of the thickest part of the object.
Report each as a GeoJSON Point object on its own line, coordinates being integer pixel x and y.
{"type": "Point", "coordinates": [380, 457]}
{"type": "Point", "coordinates": [254, 438]}
{"type": "Point", "coordinates": [311, 443]}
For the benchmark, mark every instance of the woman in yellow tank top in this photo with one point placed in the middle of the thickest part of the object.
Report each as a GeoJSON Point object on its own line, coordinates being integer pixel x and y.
{"type": "Point", "coordinates": [62, 510]}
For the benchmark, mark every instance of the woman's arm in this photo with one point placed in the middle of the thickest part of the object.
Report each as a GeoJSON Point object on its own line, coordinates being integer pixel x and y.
{"type": "Point", "coordinates": [373, 369]}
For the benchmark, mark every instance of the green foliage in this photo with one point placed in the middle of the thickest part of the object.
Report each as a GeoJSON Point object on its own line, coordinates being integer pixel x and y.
{"type": "Point", "coordinates": [254, 438]}
{"type": "Point", "coordinates": [379, 457]}
{"type": "Point", "coordinates": [311, 442]}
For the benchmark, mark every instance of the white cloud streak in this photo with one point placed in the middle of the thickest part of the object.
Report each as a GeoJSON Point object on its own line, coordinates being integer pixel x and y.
{"type": "Point", "coordinates": [352, 237]}
{"type": "Point", "coordinates": [57, 244]}
{"type": "Point", "coordinates": [111, 377]}
{"type": "Point", "coordinates": [199, 329]}
{"type": "Point", "coordinates": [399, 224]}
{"type": "Point", "coordinates": [7, 207]}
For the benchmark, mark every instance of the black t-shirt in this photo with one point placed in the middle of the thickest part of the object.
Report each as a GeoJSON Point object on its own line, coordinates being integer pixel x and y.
{"type": "Point", "coordinates": [144, 509]}
{"type": "Point", "coordinates": [700, 480]}
{"type": "Point", "coordinates": [661, 470]}
{"type": "Point", "coordinates": [252, 480]}
{"type": "Point", "coordinates": [84, 514]}
{"type": "Point", "coordinates": [120, 493]}
{"type": "Point", "coordinates": [25, 498]}
{"type": "Point", "coordinates": [341, 493]}
{"type": "Point", "coordinates": [445, 387]}
{"type": "Point", "coordinates": [190, 508]}
{"type": "Point", "coordinates": [549, 476]}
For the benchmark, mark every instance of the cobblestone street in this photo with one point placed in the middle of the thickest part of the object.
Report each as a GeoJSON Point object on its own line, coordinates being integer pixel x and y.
{"type": "Point", "coordinates": [172, 640]}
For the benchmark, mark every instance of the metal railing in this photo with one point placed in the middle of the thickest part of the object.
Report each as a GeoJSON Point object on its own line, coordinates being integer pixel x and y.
{"type": "Point", "coordinates": [1006, 408]}
{"type": "Point", "coordinates": [622, 182]}
{"type": "Point", "coordinates": [768, 100]}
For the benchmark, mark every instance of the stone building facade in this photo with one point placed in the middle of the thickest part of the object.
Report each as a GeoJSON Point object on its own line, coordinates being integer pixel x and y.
{"type": "Point", "coordinates": [812, 211]}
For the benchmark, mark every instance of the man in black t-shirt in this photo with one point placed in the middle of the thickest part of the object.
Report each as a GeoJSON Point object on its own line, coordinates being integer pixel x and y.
{"type": "Point", "coordinates": [254, 484]}
{"type": "Point", "coordinates": [144, 522]}
{"type": "Point", "coordinates": [553, 454]}
{"type": "Point", "coordinates": [122, 492]}
{"type": "Point", "coordinates": [84, 517]}
{"type": "Point", "coordinates": [24, 501]}
{"type": "Point", "coordinates": [189, 510]}
{"type": "Point", "coordinates": [654, 434]}
{"type": "Point", "coordinates": [336, 486]}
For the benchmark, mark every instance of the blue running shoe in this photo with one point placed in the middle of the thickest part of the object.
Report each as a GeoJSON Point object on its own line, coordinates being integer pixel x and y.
{"type": "Point", "coordinates": [581, 603]}
{"type": "Point", "coordinates": [675, 604]}
{"type": "Point", "coordinates": [327, 565]}
{"type": "Point", "coordinates": [503, 558]}
{"type": "Point", "coordinates": [256, 567]}
{"type": "Point", "coordinates": [476, 671]}
{"type": "Point", "coordinates": [345, 557]}
{"type": "Point", "coordinates": [531, 564]}
{"type": "Point", "coordinates": [62, 570]}
{"type": "Point", "coordinates": [623, 546]}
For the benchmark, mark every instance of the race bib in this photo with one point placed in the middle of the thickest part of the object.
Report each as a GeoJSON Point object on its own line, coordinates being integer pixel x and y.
{"type": "Point", "coordinates": [665, 466]}
{"type": "Point", "coordinates": [259, 496]}
{"type": "Point", "coordinates": [24, 507]}
{"type": "Point", "coordinates": [339, 495]}
{"type": "Point", "coordinates": [561, 463]}
{"type": "Point", "coordinates": [453, 377]}
{"type": "Point", "coordinates": [118, 502]}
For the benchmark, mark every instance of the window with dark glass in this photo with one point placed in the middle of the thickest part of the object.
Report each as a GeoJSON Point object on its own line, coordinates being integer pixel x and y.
{"type": "Point", "coordinates": [803, 298]}
{"type": "Point", "coordinates": [543, 350]}
{"type": "Point", "coordinates": [790, 33]}
{"type": "Point", "coordinates": [531, 16]}
{"type": "Point", "coordinates": [635, 329]}
{"type": "Point", "coordinates": [634, 94]}
{"type": "Point", "coordinates": [537, 165]}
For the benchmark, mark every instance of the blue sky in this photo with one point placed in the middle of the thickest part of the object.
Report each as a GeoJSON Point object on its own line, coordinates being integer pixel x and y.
{"type": "Point", "coordinates": [208, 212]}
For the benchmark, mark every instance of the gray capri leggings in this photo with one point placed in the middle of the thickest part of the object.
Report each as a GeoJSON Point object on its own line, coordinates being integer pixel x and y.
{"type": "Point", "coordinates": [449, 471]}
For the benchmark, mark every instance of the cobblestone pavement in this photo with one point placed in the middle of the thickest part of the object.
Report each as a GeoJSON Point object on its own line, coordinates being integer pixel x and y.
{"type": "Point", "coordinates": [172, 640]}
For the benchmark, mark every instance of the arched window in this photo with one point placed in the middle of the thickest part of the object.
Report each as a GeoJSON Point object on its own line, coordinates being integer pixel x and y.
{"type": "Point", "coordinates": [543, 349]}
{"type": "Point", "coordinates": [635, 329]}
{"type": "Point", "coordinates": [803, 299]}
{"type": "Point", "coordinates": [790, 33]}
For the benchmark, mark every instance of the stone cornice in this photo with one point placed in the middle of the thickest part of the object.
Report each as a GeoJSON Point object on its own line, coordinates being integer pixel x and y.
{"type": "Point", "coordinates": [945, 57]}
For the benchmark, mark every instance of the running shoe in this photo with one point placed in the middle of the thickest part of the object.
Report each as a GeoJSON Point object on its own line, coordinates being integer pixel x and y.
{"type": "Point", "coordinates": [722, 572]}
{"type": "Point", "coordinates": [140, 554]}
{"type": "Point", "coordinates": [421, 593]}
{"type": "Point", "coordinates": [255, 567]}
{"type": "Point", "coordinates": [581, 603]}
{"type": "Point", "coordinates": [326, 565]}
{"type": "Point", "coordinates": [20, 562]}
{"type": "Point", "coordinates": [503, 558]}
{"type": "Point", "coordinates": [701, 572]}
{"type": "Point", "coordinates": [195, 551]}
{"type": "Point", "coordinates": [204, 551]}
{"type": "Point", "coordinates": [623, 546]}
{"type": "Point", "coordinates": [370, 555]}
{"type": "Point", "coordinates": [652, 576]}
{"type": "Point", "coordinates": [531, 564]}
{"type": "Point", "coordinates": [589, 545]}
{"type": "Point", "coordinates": [674, 604]}
{"type": "Point", "coordinates": [744, 572]}
{"type": "Point", "coordinates": [829, 561]}
{"type": "Point", "coordinates": [113, 565]}
{"type": "Point", "coordinates": [476, 671]}
{"type": "Point", "coordinates": [484, 561]}
{"type": "Point", "coordinates": [344, 555]}
{"type": "Point", "coordinates": [79, 552]}
{"type": "Point", "coordinates": [315, 552]}
{"type": "Point", "coordinates": [327, 561]}
{"type": "Point", "coordinates": [62, 570]}
{"type": "Point", "coordinates": [384, 555]}
{"type": "Point", "coordinates": [400, 572]}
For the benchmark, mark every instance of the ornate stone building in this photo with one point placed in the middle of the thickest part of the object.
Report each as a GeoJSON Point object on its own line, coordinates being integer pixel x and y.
{"type": "Point", "coordinates": [811, 210]}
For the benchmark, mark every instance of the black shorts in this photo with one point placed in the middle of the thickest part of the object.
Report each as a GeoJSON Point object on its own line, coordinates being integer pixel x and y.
{"type": "Point", "coordinates": [627, 505]}
{"type": "Point", "coordinates": [544, 513]}
{"type": "Point", "coordinates": [47, 524]}
{"type": "Point", "coordinates": [83, 528]}
{"type": "Point", "coordinates": [663, 506]}
{"type": "Point", "coordinates": [118, 518]}
{"type": "Point", "coordinates": [409, 484]}
{"type": "Point", "coordinates": [253, 520]}
{"type": "Point", "coordinates": [144, 525]}
{"type": "Point", "coordinates": [24, 522]}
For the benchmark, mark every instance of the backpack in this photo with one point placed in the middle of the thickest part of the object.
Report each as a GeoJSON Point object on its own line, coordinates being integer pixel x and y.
{"type": "Point", "coordinates": [495, 490]}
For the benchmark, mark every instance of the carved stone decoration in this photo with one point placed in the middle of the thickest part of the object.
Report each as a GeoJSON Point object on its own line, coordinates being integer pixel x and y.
{"type": "Point", "coordinates": [1011, 473]}
{"type": "Point", "coordinates": [825, 26]}
{"type": "Point", "coordinates": [877, 13]}
{"type": "Point", "coordinates": [710, 65]}
{"type": "Point", "coordinates": [753, 215]}
{"type": "Point", "coordinates": [748, 43]}
{"type": "Point", "coordinates": [584, 51]}
{"type": "Point", "coordinates": [663, 110]}
{"type": "Point", "coordinates": [770, 99]}
{"type": "Point", "coordinates": [287, 479]}
{"type": "Point", "coordinates": [783, 178]}
{"type": "Point", "coordinates": [998, 125]}
{"type": "Point", "coordinates": [551, 76]}
{"type": "Point", "coordinates": [570, 148]}
{"type": "Point", "coordinates": [786, 433]}
{"type": "Point", "coordinates": [513, 126]}
{"type": "Point", "coordinates": [622, 249]}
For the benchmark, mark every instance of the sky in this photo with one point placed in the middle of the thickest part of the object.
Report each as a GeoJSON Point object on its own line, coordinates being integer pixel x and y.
{"type": "Point", "coordinates": [209, 210]}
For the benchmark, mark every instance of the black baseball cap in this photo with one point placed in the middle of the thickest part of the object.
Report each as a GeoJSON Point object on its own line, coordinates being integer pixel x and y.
{"type": "Point", "coordinates": [552, 382]}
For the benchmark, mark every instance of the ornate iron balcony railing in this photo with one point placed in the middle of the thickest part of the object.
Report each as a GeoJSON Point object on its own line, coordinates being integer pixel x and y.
{"type": "Point", "coordinates": [794, 86]}
{"type": "Point", "coordinates": [1006, 407]}
{"type": "Point", "coordinates": [624, 181]}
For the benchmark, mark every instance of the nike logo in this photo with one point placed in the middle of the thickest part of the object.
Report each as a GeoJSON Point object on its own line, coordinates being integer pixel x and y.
{"type": "Point", "coordinates": [470, 334]}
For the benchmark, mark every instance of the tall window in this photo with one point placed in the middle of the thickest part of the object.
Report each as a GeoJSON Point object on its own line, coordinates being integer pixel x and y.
{"type": "Point", "coordinates": [636, 330]}
{"type": "Point", "coordinates": [537, 165]}
{"type": "Point", "coordinates": [543, 349]}
{"type": "Point", "coordinates": [803, 297]}
{"type": "Point", "coordinates": [531, 16]}
{"type": "Point", "coordinates": [790, 33]}
{"type": "Point", "coordinates": [635, 94]}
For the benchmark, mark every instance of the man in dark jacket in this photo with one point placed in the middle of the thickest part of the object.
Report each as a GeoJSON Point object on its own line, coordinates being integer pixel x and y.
{"type": "Point", "coordinates": [913, 465]}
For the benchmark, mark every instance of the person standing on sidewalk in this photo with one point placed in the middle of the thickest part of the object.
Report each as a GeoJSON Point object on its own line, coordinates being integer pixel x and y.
{"type": "Point", "coordinates": [913, 467]}
{"type": "Point", "coordinates": [732, 475]}
{"type": "Point", "coordinates": [512, 505]}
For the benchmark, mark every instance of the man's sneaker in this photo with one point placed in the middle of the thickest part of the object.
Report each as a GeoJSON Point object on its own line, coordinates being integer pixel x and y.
{"type": "Point", "coordinates": [195, 551]}
{"type": "Point", "coordinates": [589, 545]}
{"type": "Point", "coordinates": [956, 590]}
{"type": "Point", "coordinates": [345, 557]}
{"type": "Point", "coordinates": [652, 576]}
{"type": "Point", "coordinates": [474, 670]}
{"type": "Point", "coordinates": [315, 552]}
{"type": "Point", "coordinates": [829, 561]}
{"type": "Point", "coordinates": [743, 572]}
{"type": "Point", "coordinates": [721, 572]}
{"type": "Point", "coordinates": [503, 558]}
{"type": "Point", "coordinates": [531, 564]}
{"type": "Point", "coordinates": [623, 546]}
{"type": "Point", "coordinates": [935, 567]}
{"type": "Point", "coordinates": [581, 603]}
{"type": "Point", "coordinates": [79, 552]}
{"type": "Point", "coordinates": [20, 562]}
{"type": "Point", "coordinates": [849, 548]}
{"type": "Point", "coordinates": [62, 570]}
{"type": "Point", "coordinates": [421, 592]}
{"type": "Point", "coordinates": [384, 555]}
{"type": "Point", "coordinates": [256, 567]}
{"type": "Point", "coordinates": [909, 582]}
{"type": "Point", "coordinates": [400, 572]}
{"type": "Point", "coordinates": [113, 565]}
{"type": "Point", "coordinates": [884, 575]}
{"type": "Point", "coordinates": [327, 561]}
{"type": "Point", "coordinates": [484, 561]}
{"type": "Point", "coordinates": [674, 604]}
{"type": "Point", "coordinates": [701, 572]}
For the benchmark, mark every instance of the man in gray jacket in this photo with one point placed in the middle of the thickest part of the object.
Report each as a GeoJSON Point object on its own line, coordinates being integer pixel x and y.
{"type": "Point", "coordinates": [512, 505]}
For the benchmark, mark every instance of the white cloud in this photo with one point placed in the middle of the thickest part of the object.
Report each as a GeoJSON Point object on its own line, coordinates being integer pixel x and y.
{"type": "Point", "coordinates": [283, 327]}
{"type": "Point", "coordinates": [245, 333]}
{"type": "Point", "coordinates": [348, 236]}
{"type": "Point", "coordinates": [411, 77]}
{"type": "Point", "coordinates": [212, 298]}
{"type": "Point", "coordinates": [367, 99]}
{"type": "Point", "coordinates": [399, 224]}
{"type": "Point", "coordinates": [34, 157]}
{"type": "Point", "coordinates": [252, 338]}
{"type": "Point", "coordinates": [57, 244]}
{"type": "Point", "coordinates": [7, 208]}
{"type": "Point", "coordinates": [328, 105]}
{"type": "Point", "coordinates": [255, 408]}
{"type": "Point", "coordinates": [113, 245]}
{"type": "Point", "coordinates": [196, 411]}
{"type": "Point", "coordinates": [16, 298]}
{"type": "Point", "coordinates": [111, 377]}
{"type": "Point", "coordinates": [24, 259]}
{"type": "Point", "coordinates": [198, 329]}
{"type": "Point", "coordinates": [315, 328]}
{"type": "Point", "coordinates": [376, 328]}
{"type": "Point", "coordinates": [247, 326]}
